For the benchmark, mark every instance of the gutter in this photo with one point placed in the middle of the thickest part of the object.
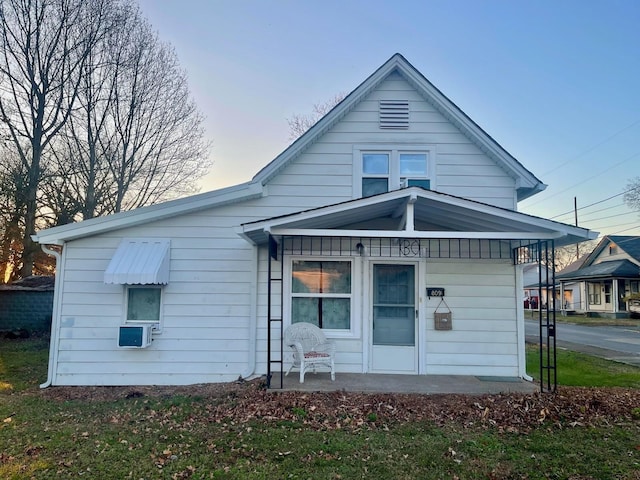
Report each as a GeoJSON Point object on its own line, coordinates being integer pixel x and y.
{"type": "Point", "coordinates": [55, 314]}
{"type": "Point", "coordinates": [253, 315]}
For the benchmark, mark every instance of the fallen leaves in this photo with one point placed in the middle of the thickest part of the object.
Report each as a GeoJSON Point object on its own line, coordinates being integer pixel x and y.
{"type": "Point", "coordinates": [235, 403]}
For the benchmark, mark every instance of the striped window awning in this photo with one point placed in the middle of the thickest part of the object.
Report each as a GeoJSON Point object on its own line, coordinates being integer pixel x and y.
{"type": "Point", "coordinates": [140, 262]}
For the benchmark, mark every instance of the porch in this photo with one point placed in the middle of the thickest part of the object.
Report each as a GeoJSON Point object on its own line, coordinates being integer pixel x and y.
{"type": "Point", "coordinates": [387, 383]}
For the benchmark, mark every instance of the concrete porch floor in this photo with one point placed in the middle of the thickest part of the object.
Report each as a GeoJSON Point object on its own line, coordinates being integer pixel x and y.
{"type": "Point", "coordinates": [387, 383]}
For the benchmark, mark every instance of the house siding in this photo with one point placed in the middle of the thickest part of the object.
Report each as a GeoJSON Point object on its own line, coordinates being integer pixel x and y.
{"type": "Point", "coordinates": [462, 169]}
{"type": "Point", "coordinates": [483, 338]}
{"type": "Point", "coordinates": [206, 307]}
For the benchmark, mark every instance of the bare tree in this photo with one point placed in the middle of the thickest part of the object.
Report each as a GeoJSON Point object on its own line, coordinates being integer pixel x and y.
{"type": "Point", "coordinates": [299, 124]}
{"type": "Point", "coordinates": [44, 47]}
{"type": "Point", "coordinates": [97, 111]}
{"type": "Point", "coordinates": [632, 195]}
{"type": "Point", "coordinates": [565, 256]}
{"type": "Point", "coordinates": [154, 147]}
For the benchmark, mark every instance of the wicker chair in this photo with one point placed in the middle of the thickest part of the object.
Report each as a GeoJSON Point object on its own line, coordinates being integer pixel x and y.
{"type": "Point", "coordinates": [310, 349]}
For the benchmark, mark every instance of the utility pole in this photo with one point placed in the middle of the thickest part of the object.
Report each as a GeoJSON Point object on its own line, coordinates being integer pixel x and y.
{"type": "Point", "coordinates": [575, 213]}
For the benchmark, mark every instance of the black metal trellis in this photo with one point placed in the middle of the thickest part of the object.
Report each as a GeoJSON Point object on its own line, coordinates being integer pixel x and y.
{"type": "Point", "coordinates": [542, 252]}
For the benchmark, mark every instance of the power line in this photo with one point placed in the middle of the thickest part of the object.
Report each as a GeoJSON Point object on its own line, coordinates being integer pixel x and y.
{"type": "Point", "coordinates": [590, 149]}
{"type": "Point", "coordinates": [588, 179]}
{"type": "Point", "coordinates": [594, 203]}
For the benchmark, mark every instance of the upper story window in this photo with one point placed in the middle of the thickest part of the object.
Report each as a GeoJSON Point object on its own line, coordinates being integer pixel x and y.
{"type": "Point", "coordinates": [382, 170]}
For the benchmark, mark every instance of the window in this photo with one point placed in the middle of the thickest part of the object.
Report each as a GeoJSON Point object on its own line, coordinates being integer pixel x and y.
{"type": "Point", "coordinates": [143, 304]}
{"type": "Point", "coordinates": [321, 293]}
{"type": "Point", "coordinates": [594, 293]}
{"type": "Point", "coordinates": [386, 169]}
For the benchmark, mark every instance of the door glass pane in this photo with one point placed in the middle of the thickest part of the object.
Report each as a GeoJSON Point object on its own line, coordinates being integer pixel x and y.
{"type": "Point", "coordinates": [394, 305]}
{"type": "Point", "coordinates": [413, 164]}
{"type": "Point", "coordinates": [375, 163]}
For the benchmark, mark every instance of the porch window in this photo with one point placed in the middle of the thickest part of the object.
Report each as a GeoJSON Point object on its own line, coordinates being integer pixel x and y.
{"type": "Point", "coordinates": [143, 304]}
{"type": "Point", "coordinates": [594, 293]}
{"type": "Point", "coordinates": [381, 170]}
{"type": "Point", "coordinates": [321, 293]}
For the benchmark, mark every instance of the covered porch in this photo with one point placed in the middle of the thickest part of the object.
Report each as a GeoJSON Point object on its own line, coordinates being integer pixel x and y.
{"type": "Point", "coordinates": [442, 244]}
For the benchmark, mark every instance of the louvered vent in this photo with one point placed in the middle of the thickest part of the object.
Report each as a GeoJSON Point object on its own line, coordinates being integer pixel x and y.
{"type": "Point", "coordinates": [394, 114]}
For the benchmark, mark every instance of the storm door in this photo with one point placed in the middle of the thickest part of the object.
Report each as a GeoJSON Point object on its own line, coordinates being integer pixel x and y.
{"type": "Point", "coordinates": [394, 316]}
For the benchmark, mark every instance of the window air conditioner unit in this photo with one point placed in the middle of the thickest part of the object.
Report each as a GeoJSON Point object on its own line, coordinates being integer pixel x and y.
{"type": "Point", "coordinates": [135, 336]}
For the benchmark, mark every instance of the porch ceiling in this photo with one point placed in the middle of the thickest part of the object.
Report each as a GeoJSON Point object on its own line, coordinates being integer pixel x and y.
{"type": "Point", "coordinates": [415, 213]}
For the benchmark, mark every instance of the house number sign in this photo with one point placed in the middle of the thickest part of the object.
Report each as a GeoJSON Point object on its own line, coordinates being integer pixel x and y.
{"type": "Point", "coordinates": [435, 292]}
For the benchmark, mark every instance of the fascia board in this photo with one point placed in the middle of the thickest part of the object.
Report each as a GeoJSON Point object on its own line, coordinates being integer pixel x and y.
{"type": "Point", "coordinates": [58, 235]}
{"type": "Point", "coordinates": [416, 234]}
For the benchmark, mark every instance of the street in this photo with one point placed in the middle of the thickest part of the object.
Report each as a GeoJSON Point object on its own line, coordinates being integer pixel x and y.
{"type": "Point", "coordinates": [621, 344]}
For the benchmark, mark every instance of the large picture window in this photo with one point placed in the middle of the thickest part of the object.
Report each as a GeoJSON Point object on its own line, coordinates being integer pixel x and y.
{"type": "Point", "coordinates": [321, 293]}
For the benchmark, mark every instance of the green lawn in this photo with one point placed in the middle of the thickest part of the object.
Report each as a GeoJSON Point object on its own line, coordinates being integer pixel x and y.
{"type": "Point", "coordinates": [578, 369]}
{"type": "Point", "coordinates": [179, 437]}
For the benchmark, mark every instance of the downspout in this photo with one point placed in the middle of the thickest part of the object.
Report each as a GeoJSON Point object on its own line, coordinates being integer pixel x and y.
{"type": "Point", "coordinates": [55, 314]}
{"type": "Point", "coordinates": [253, 315]}
{"type": "Point", "coordinates": [520, 327]}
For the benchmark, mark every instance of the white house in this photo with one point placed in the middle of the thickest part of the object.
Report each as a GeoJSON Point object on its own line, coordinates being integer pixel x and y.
{"type": "Point", "coordinates": [392, 200]}
{"type": "Point", "coordinates": [606, 277]}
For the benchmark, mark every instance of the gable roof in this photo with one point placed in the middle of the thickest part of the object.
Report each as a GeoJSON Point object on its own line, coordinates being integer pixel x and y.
{"type": "Point", "coordinates": [415, 213]}
{"type": "Point", "coordinates": [628, 244]}
{"type": "Point", "coordinates": [526, 182]}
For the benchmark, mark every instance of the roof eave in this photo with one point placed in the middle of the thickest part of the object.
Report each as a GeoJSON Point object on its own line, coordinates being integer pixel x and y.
{"type": "Point", "coordinates": [64, 233]}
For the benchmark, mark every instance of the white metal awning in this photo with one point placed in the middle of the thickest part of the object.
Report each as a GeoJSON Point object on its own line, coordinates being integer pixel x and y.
{"type": "Point", "coordinates": [140, 261]}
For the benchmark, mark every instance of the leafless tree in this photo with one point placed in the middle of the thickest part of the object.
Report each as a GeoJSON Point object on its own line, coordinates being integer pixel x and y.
{"type": "Point", "coordinates": [632, 195]}
{"type": "Point", "coordinates": [97, 110]}
{"type": "Point", "coordinates": [299, 124]}
{"type": "Point", "coordinates": [565, 256]}
{"type": "Point", "coordinates": [153, 143]}
{"type": "Point", "coordinates": [44, 45]}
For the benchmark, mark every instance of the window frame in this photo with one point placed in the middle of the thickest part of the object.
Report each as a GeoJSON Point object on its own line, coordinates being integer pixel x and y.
{"type": "Point", "coordinates": [288, 287]}
{"type": "Point", "coordinates": [158, 323]}
{"type": "Point", "coordinates": [395, 178]}
{"type": "Point", "coordinates": [594, 291]}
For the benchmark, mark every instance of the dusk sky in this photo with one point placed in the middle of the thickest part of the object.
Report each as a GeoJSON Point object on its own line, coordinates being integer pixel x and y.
{"type": "Point", "coordinates": [556, 83]}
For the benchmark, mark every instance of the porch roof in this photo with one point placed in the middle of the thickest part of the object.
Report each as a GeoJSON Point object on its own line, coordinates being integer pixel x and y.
{"type": "Point", "coordinates": [415, 213]}
{"type": "Point", "coordinates": [612, 269]}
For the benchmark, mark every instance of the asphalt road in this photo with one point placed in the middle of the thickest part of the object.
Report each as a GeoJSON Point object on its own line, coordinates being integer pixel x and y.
{"type": "Point", "coordinates": [621, 344]}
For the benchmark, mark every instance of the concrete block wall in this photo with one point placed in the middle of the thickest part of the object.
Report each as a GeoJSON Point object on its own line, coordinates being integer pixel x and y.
{"type": "Point", "coordinates": [27, 310]}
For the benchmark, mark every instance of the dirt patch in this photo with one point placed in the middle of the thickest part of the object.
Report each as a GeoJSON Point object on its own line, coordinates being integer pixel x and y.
{"type": "Point", "coordinates": [515, 412]}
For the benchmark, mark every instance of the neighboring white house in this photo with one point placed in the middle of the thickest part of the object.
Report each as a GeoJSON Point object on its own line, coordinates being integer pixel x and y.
{"type": "Point", "coordinates": [608, 274]}
{"type": "Point", "coordinates": [392, 199]}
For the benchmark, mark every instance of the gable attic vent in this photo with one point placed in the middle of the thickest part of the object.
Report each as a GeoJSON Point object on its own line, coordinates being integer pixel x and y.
{"type": "Point", "coordinates": [394, 114]}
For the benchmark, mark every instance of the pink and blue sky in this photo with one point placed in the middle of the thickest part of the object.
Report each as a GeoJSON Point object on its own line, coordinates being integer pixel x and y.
{"type": "Point", "coordinates": [556, 83]}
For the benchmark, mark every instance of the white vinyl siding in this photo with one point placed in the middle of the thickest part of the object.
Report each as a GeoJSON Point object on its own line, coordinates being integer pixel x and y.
{"type": "Point", "coordinates": [323, 174]}
{"type": "Point", "coordinates": [205, 307]}
{"type": "Point", "coordinates": [483, 340]}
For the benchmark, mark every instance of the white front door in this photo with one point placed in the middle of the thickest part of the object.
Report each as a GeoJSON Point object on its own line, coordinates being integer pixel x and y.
{"type": "Point", "coordinates": [394, 318]}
